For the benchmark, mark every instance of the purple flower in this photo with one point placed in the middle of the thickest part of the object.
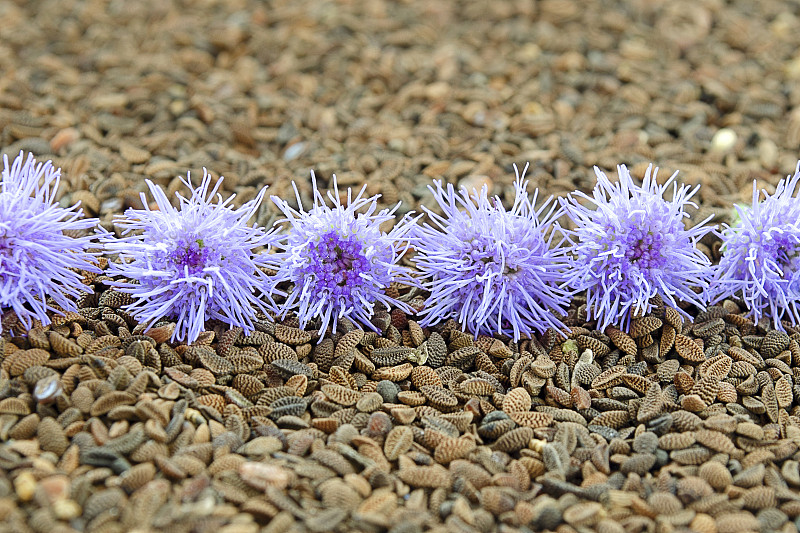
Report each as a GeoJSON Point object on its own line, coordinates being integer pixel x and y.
{"type": "Point", "coordinates": [197, 262]}
{"type": "Point", "coordinates": [761, 255]}
{"type": "Point", "coordinates": [632, 245]}
{"type": "Point", "coordinates": [339, 260]}
{"type": "Point", "coordinates": [38, 258]}
{"type": "Point", "coordinates": [490, 269]}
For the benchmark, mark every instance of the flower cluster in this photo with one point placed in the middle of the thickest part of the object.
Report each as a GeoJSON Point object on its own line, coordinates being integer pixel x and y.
{"type": "Point", "coordinates": [338, 259]}
{"type": "Point", "coordinates": [491, 269]}
{"type": "Point", "coordinates": [761, 254]}
{"type": "Point", "coordinates": [40, 262]}
{"type": "Point", "coordinates": [632, 245]}
{"type": "Point", "coordinates": [192, 263]}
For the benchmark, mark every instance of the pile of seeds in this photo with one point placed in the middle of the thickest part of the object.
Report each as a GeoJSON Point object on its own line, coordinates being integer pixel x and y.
{"type": "Point", "coordinates": [394, 94]}
{"type": "Point", "coordinates": [106, 427]}
{"type": "Point", "coordinates": [675, 426]}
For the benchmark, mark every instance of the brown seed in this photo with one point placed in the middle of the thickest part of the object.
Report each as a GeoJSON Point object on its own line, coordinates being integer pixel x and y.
{"type": "Point", "coordinates": [341, 395]}
{"type": "Point", "coordinates": [439, 396]}
{"type": "Point", "coordinates": [741, 355]}
{"type": "Point", "coordinates": [497, 500]}
{"type": "Point", "coordinates": [137, 476]}
{"type": "Point", "coordinates": [291, 336]}
{"type": "Point", "coordinates": [14, 406]}
{"type": "Point", "coordinates": [609, 378]}
{"type": "Point", "coordinates": [463, 357]}
{"type": "Point", "coordinates": [517, 400]}
{"type": "Point", "coordinates": [19, 361]}
{"type": "Point", "coordinates": [770, 400]}
{"type": "Point", "coordinates": [531, 419]}
{"type": "Point", "coordinates": [214, 401]}
{"type": "Point", "coordinates": [688, 349]}
{"type": "Point", "coordinates": [51, 436]}
{"type": "Point", "coordinates": [110, 400]}
{"type": "Point", "coordinates": [717, 367]}
{"type": "Point", "coordinates": [393, 373]}
{"type": "Point", "coordinates": [676, 441]}
{"type": "Point", "coordinates": [261, 475]}
{"type": "Point", "coordinates": [598, 347]}
{"type": "Point", "coordinates": [667, 340]}
{"type": "Point", "coordinates": [693, 403]}
{"type": "Point", "coordinates": [733, 522]}
{"type": "Point", "coordinates": [716, 474]}
{"type": "Point", "coordinates": [227, 462]}
{"type": "Point", "coordinates": [716, 441]}
{"type": "Point", "coordinates": [398, 441]}
{"type": "Point", "coordinates": [692, 488]}
{"type": "Point", "coordinates": [298, 382]}
{"type": "Point", "coordinates": [727, 393]}
{"type": "Point", "coordinates": [644, 326]}
{"type": "Point", "coordinates": [706, 388]}
{"type": "Point", "coordinates": [247, 384]}
{"type": "Point", "coordinates": [25, 428]}
{"type": "Point", "coordinates": [437, 350]}
{"type": "Point", "coordinates": [63, 346]}
{"type": "Point", "coordinates": [342, 377]}
{"type": "Point", "coordinates": [673, 318]}
{"type": "Point", "coordinates": [425, 375]}
{"type": "Point", "coordinates": [783, 393]}
{"type": "Point", "coordinates": [622, 340]}
{"type": "Point", "coordinates": [750, 430]}
{"type": "Point", "coordinates": [581, 399]}
{"type": "Point", "coordinates": [638, 383]}
{"type": "Point", "coordinates": [369, 402]}
{"type": "Point", "coordinates": [346, 345]}
{"type": "Point", "coordinates": [246, 360]}
{"type": "Point", "coordinates": [208, 357]}
{"type": "Point", "coordinates": [434, 476]}
{"type": "Point", "coordinates": [322, 354]}
{"type": "Point", "coordinates": [133, 154]}
{"type": "Point", "coordinates": [664, 503]}
{"type": "Point", "coordinates": [450, 449]}
{"type": "Point", "coordinates": [514, 440]}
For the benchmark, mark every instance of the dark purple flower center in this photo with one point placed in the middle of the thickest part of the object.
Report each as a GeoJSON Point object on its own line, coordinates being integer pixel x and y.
{"type": "Point", "coordinates": [645, 248]}
{"type": "Point", "coordinates": [189, 253]}
{"type": "Point", "coordinates": [336, 263]}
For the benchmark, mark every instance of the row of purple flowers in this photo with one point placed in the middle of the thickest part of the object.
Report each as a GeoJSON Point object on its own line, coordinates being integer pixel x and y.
{"type": "Point", "coordinates": [493, 269]}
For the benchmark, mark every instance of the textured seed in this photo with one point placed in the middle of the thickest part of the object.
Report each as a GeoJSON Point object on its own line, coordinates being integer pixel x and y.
{"type": "Point", "coordinates": [514, 440]}
{"type": "Point", "coordinates": [688, 349]}
{"type": "Point", "coordinates": [517, 400]}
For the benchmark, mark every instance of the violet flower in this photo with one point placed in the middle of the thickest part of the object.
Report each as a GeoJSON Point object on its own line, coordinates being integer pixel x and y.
{"type": "Point", "coordinates": [492, 270]}
{"type": "Point", "coordinates": [338, 259]}
{"type": "Point", "coordinates": [39, 260]}
{"type": "Point", "coordinates": [198, 262]}
{"type": "Point", "coordinates": [761, 255]}
{"type": "Point", "coordinates": [631, 245]}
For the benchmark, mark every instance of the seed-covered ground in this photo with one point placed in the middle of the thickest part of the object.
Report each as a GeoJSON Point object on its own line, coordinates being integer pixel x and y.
{"type": "Point", "coordinates": [677, 425]}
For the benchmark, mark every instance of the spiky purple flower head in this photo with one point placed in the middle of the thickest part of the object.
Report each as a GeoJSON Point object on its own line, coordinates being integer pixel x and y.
{"type": "Point", "coordinates": [632, 245]}
{"type": "Point", "coordinates": [193, 263]}
{"type": "Point", "coordinates": [761, 255]}
{"type": "Point", "coordinates": [338, 259]}
{"type": "Point", "coordinates": [38, 257]}
{"type": "Point", "coordinates": [492, 270]}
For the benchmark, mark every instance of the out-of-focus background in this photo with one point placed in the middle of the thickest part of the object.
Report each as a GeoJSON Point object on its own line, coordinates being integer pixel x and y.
{"type": "Point", "coordinates": [393, 94]}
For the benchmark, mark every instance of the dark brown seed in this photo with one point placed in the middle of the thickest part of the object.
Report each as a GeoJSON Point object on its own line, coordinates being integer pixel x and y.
{"type": "Point", "coordinates": [688, 349]}
{"type": "Point", "coordinates": [291, 336]}
{"type": "Point", "coordinates": [644, 326]}
{"type": "Point", "coordinates": [622, 340]}
{"type": "Point", "coordinates": [439, 396]}
{"type": "Point", "coordinates": [514, 440]}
